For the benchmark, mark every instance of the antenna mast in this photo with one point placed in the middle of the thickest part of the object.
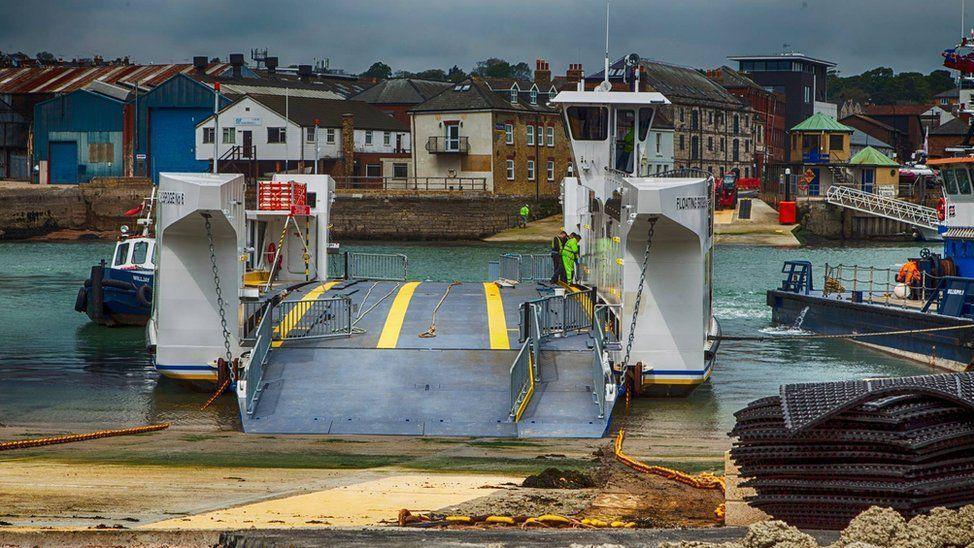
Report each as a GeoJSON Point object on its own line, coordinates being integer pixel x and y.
{"type": "Point", "coordinates": [606, 71]}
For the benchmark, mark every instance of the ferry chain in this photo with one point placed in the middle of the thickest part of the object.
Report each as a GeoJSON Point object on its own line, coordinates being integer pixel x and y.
{"type": "Point", "coordinates": [838, 336]}
{"type": "Point", "coordinates": [639, 292]}
{"type": "Point", "coordinates": [219, 292]}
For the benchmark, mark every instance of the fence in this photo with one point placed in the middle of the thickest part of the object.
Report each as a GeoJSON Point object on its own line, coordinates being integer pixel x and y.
{"type": "Point", "coordinates": [522, 382]}
{"type": "Point", "coordinates": [516, 267]}
{"type": "Point", "coordinates": [600, 372]}
{"type": "Point", "coordinates": [315, 319]}
{"type": "Point", "coordinates": [258, 360]}
{"type": "Point", "coordinates": [560, 315]}
{"type": "Point", "coordinates": [448, 184]}
{"type": "Point", "coordinates": [368, 266]}
{"type": "Point", "coordinates": [510, 267]}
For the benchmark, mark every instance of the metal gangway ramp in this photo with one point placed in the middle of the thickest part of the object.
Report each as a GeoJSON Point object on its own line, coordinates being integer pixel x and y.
{"type": "Point", "coordinates": [917, 215]}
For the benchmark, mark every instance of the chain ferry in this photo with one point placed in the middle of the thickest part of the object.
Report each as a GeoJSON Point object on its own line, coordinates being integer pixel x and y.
{"type": "Point", "coordinates": [313, 342]}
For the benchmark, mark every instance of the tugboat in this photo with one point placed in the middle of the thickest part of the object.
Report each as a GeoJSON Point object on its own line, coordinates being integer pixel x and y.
{"type": "Point", "coordinates": [121, 293]}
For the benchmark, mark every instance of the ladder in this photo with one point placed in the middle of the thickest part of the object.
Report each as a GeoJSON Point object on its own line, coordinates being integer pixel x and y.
{"type": "Point", "coordinates": [881, 206]}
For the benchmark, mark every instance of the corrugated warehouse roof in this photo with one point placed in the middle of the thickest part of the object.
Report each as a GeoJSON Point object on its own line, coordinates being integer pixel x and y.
{"type": "Point", "coordinates": [62, 79]}
{"type": "Point", "coordinates": [677, 83]}
{"type": "Point", "coordinates": [402, 91]}
{"type": "Point", "coordinates": [869, 156]}
{"type": "Point", "coordinates": [822, 122]}
{"type": "Point", "coordinates": [476, 94]}
{"type": "Point", "coordinates": [305, 110]}
{"type": "Point", "coordinates": [321, 88]}
{"type": "Point", "coordinates": [861, 138]}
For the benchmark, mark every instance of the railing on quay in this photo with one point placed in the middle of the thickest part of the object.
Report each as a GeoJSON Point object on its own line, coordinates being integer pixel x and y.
{"type": "Point", "coordinates": [315, 319]}
{"type": "Point", "coordinates": [447, 184]}
{"type": "Point", "coordinates": [258, 360]}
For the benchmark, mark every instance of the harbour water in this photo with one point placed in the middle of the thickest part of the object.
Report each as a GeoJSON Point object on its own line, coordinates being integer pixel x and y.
{"type": "Point", "coordinates": [57, 369]}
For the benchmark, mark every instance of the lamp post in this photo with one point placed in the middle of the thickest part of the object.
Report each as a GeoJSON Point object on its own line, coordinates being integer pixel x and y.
{"type": "Point", "coordinates": [317, 145]}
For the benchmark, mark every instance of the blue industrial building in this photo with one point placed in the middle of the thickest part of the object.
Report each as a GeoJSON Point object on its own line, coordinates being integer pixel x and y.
{"type": "Point", "coordinates": [80, 135]}
{"type": "Point", "coordinates": [166, 124]}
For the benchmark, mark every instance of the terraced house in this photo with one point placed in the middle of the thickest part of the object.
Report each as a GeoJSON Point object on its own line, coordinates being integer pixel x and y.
{"type": "Point", "coordinates": [503, 138]}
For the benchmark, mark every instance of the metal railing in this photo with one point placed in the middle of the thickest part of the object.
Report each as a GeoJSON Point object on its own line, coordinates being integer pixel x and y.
{"type": "Point", "coordinates": [440, 145]}
{"type": "Point", "coordinates": [411, 183]}
{"type": "Point", "coordinates": [315, 318]}
{"type": "Point", "coordinates": [600, 370]}
{"type": "Point", "coordinates": [522, 384]}
{"type": "Point", "coordinates": [561, 315]}
{"type": "Point", "coordinates": [880, 206]}
{"type": "Point", "coordinates": [537, 267]}
{"type": "Point", "coordinates": [376, 266]}
{"type": "Point", "coordinates": [254, 375]}
{"type": "Point", "coordinates": [510, 267]}
{"type": "Point", "coordinates": [518, 267]}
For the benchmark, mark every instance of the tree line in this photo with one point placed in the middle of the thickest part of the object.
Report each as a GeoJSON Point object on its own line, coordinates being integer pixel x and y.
{"type": "Point", "coordinates": [487, 68]}
{"type": "Point", "coordinates": [880, 86]}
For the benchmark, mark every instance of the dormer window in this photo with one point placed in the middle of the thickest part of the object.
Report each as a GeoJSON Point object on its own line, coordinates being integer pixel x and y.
{"type": "Point", "coordinates": [534, 97]}
{"type": "Point", "coordinates": [514, 95]}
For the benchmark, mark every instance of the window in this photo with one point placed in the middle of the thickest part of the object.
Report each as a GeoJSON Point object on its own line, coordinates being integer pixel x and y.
{"type": "Point", "coordinates": [645, 121]}
{"type": "Point", "coordinates": [330, 136]}
{"type": "Point", "coordinates": [943, 101]}
{"type": "Point", "coordinates": [681, 114]}
{"type": "Point", "coordinates": [310, 134]}
{"type": "Point", "coordinates": [747, 145]}
{"type": "Point", "coordinates": [835, 142]}
{"type": "Point", "coordinates": [736, 150]}
{"type": "Point", "coordinates": [368, 137]}
{"type": "Point", "coordinates": [530, 130]}
{"type": "Point", "coordinates": [140, 252]}
{"type": "Point", "coordinates": [400, 170]}
{"type": "Point", "coordinates": [723, 145]}
{"type": "Point", "coordinates": [229, 136]}
{"type": "Point", "coordinates": [659, 143]}
{"type": "Point", "coordinates": [509, 134]}
{"type": "Point", "coordinates": [710, 117]}
{"type": "Point", "coordinates": [551, 136]}
{"type": "Point", "coordinates": [101, 153]}
{"type": "Point", "coordinates": [588, 123]}
{"type": "Point", "coordinates": [695, 148]}
{"type": "Point", "coordinates": [386, 138]}
{"type": "Point", "coordinates": [682, 145]}
{"type": "Point", "coordinates": [950, 181]}
{"type": "Point", "coordinates": [373, 170]}
{"type": "Point", "coordinates": [121, 254]}
{"type": "Point", "coordinates": [808, 94]}
{"type": "Point", "coordinates": [534, 97]}
{"type": "Point", "coordinates": [276, 135]}
{"type": "Point", "coordinates": [571, 169]}
{"type": "Point", "coordinates": [551, 170]}
{"type": "Point", "coordinates": [710, 144]}
{"type": "Point", "coordinates": [737, 124]}
{"type": "Point", "coordinates": [694, 119]}
{"type": "Point", "coordinates": [510, 170]}
{"type": "Point", "coordinates": [530, 170]}
{"type": "Point", "coordinates": [514, 95]}
{"type": "Point", "coordinates": [963, 181]}
{"type": "Point", "coordinates": [208, 135]}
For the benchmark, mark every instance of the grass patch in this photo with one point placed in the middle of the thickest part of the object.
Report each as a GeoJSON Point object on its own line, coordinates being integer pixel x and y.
{"type": "Point", "coordinates": [506, 443]}
{"type": "Point", "coordinates": [199, 437]}
{"type": "Point", "coordinates": [489, 465]}
{"type": "Point", "coordinates": [223, 459]}
{"type": "Point", "coordinates": [441, 440]}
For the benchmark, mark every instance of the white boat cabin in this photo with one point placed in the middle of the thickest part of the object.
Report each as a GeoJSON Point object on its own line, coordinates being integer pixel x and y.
{"type": "Point", "coordinates": [135, 254]}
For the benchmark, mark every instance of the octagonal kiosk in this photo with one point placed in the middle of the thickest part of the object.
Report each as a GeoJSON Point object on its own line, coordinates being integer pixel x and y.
{"type": "Point", "coordinates": [664, 305]}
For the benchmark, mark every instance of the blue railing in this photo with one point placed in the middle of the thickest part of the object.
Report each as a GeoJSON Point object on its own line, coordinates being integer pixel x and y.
{"type": "Point", "coordinates": [254, 375]}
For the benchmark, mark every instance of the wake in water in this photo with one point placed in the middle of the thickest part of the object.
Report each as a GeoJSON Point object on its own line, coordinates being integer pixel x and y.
{"type": "Point", "coordinates": [793, 329]}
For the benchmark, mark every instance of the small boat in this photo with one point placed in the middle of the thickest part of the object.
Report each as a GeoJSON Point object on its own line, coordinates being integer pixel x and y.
{"type": "Point", "coordinates": [121, 293]}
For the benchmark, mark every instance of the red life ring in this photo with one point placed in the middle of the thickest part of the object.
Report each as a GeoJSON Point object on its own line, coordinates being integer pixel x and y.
{"type": "Point", "coordinates": [270, 253]}
{"type": "Point", "coordinates": [941, 209]}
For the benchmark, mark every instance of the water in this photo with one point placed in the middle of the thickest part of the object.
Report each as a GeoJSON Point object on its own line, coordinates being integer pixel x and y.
{"type": "Point", "coordinates": [56, 368]}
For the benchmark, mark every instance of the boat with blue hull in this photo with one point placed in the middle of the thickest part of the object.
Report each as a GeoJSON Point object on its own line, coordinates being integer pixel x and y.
{"type": "Point", "coordinates": [121, 293]}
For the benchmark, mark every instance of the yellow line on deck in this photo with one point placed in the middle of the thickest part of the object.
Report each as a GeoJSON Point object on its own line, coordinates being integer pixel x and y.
{"type": "Point", "coordinates": [496, 323]}
{"type": "Point", "coordinates": [292, 318]}
{"type": "Point", "coordinates": [397, 313]}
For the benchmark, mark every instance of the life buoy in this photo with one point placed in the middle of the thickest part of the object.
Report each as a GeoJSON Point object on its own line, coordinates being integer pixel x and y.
{"type": "Point", "coordinates": [806, 179]}
{"type": "Point", "coordinates": [270, 253]}
{"type": "Point", "coordinates": [144, 295]}
{"type": "Point", "coordinates": [941, 209]}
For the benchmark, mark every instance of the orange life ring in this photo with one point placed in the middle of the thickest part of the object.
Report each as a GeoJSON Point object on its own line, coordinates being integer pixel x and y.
{"type": "Point", "coordinates": [270, 253]}
{"type": "Point", "coordinates": [941, 209]}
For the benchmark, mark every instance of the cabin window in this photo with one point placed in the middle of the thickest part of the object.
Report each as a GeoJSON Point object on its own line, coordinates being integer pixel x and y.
{"type": "Point", "coordinates": [950, 181]}
{"type": "Point", "coordinates": [645, 121]}
{"type": "Point", "coordinates": [625, 136]}
{"type": "Point", "coordinates": [121, 254]}
{"type": "Point", "coordinates": [140, 252]}
{"type": "Point", "coordinates": [835, 142]}
{"type": "Point", "coordinates": [963, 181]}
{"type": "Point", "coordinates": [588, 123]}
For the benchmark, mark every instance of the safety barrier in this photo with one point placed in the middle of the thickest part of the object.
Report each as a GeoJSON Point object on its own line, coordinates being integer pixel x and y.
{"type": "Point", "coordinates": [600, 373]}
{"type": "Point", "coordinates": [315, 319]}
{"type": "Point", "coordinates": [376, 266]}
{"type": "Point", "coordinates": [253, 314]}
{"type": "Point", "coordinates": [254, 375]}
{"type": "Point", "coordinates": [538, 268]}
{"type": "Point", "coordinates": [561, 315]}
{"type": "Point", "coordinates": [522, 381]}
{"type": "Point", "coordinates": [510, 267]}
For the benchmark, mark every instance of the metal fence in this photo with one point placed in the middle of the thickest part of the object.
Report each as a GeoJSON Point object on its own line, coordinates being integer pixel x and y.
{"type": "Point", "coordinates": [600, 373]}
{"type": "Point", "coordinates": [258, 360]}
{"type": "Point", "coordinates": [522, 385]}
{"type": "Point", "coordinates": [510, 267]}
{"type": "Point", "coordinates": [376, 266]}
{"type": "Point", "coordinates": [536, 267]}
{"type": "Point", "coordinates": [449, 184]}
{"type": "Point", "coordinates": [560, 315]}
{"type": "Point", "coordinates": [315, 318]}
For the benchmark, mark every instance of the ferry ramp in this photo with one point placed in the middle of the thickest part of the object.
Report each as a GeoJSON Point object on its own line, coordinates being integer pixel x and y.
{"type": "Point", "coordinates": [386, 379]}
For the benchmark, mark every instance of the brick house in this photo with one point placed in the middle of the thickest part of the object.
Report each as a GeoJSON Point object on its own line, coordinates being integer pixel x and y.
{"type": "Point", "coordinates": [714, 130]}
{"type": "Point", "coordinates": [948, 135]}
{"type": "Point", "coordinates": [911, 120]}
{"type": "Point", "coordinates": [770, 137]}
{"type": "Point", "coordinates": [397, 95]}
{"type": "Point", "coordinates": [879, 130]}
{"type": "Point", "coordinates": [505, 135]}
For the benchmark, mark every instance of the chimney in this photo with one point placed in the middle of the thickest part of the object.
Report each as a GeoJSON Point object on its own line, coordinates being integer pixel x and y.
{"type": "Point", "coordinates": [574, 73]}
{"type": "Point", "coordinates": [199, 63]}
{"type": "Point", "coordinates": [542, 74]}
{"type": "Point", "coordinates": [304, 72]}
{"type": "Point", "coordinates": [236, 63]}
{"type": "Point", "coordinates": [271, 64]}
{"type": "Point", "coordinates": [348, 143]}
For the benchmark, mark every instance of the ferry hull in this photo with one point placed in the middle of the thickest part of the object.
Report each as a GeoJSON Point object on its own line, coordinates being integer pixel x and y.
{"type": "Point", "coordinates": [949, 350]}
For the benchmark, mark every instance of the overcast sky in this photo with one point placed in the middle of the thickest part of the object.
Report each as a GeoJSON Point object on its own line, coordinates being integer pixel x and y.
{"type": "Point", "coordinates": [906, 35]}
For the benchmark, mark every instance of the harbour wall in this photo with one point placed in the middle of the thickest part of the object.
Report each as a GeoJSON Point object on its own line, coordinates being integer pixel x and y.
{"type": "Point", "coordinates": [830, 222]}
{"type": "Point", "coordinates": [97, 207]}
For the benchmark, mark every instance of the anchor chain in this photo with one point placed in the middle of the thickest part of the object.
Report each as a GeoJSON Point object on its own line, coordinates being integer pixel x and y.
{"type": "Point", "coordinates": [639, 292]}
{"type": "Point", "coordinates": [219, 292]}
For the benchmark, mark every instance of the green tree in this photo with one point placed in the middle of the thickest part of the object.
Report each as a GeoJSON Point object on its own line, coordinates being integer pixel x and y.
{"type": "Point", "coordinates": [882, 86]}
{"type": "Point", "coordinates": [435, 74]}
{"type": "Point", "coordinates": [456, 74]}
{"type": "Point", "coordinates": [378, 70]}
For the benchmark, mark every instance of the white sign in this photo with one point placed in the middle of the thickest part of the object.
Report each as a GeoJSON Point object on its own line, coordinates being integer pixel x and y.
{"type": "Point", "coordinates": [172, 198]}
{"type": "Point", "coordinates": [692, 202]}
{"type": "Point", "coordinates": [140, 156]}
{"type": "Point", "coordinates": [886, 191]}
{"type": "Point", "coordinates": [246, 121]}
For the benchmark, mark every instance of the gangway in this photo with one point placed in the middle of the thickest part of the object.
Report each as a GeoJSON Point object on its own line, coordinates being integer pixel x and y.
{"type": "Point", "coordinates": [922, 217]}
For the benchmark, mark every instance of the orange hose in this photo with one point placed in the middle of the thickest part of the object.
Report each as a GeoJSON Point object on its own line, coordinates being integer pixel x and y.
{"type": "Point", "coordinates": [38, 442]}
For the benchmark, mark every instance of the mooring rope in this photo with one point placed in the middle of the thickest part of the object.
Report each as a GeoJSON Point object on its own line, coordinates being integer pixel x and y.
{"type": "Point", "coordinates": [431, 332]}
{"type": "Point", "coordinates": [837, 336]}
{"type": "Point", "coordinates": [37, 442]}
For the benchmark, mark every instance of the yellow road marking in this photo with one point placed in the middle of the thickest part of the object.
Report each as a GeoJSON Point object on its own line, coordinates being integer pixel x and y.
{"type": "Point", "coordinates": [290, 321]}
{"type": "Point", "coordinates": [496, 323]}
{"type": "Point", "coordinates": [397, 313]}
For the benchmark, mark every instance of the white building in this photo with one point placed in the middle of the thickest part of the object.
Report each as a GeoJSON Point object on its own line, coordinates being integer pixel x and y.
{"type": "Point", "coordinates": [269, 130]}
{"type": "Point", "coordinates": [658, 157]}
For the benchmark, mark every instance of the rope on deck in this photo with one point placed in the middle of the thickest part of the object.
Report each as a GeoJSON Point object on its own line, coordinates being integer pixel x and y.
{"type": "Point", "coordinates": [38, 442]}
{"type": "Point", "coordinates": [838, 336]}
